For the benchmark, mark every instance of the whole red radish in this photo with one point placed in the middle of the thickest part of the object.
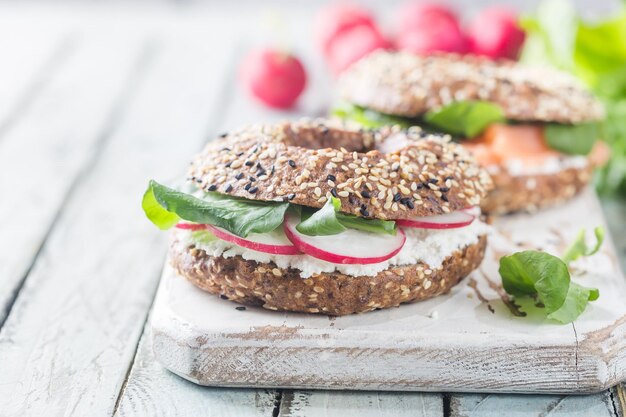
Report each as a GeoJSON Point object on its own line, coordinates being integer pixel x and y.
{"type": "Point", "coordinates": [495, 33]}
{"type": "Point", "coordinates": [437, 35]}
{"type": "Point", "coordinates": [274, 77]}
{"type": "Point", "coordinates": [336, 18]}
{"type": "Point", "coordinates": [414, 14]}
{"type": "Point", "coordinates": [352, 45]}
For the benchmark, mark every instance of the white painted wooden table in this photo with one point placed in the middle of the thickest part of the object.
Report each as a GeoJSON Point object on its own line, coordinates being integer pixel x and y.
{"type": "Point", "coordinates": [94, 100]}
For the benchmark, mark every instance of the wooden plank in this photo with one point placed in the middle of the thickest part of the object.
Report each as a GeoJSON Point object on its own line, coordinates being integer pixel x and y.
{"type": "Point", "coordinates": [154, 391]}
{"type": "Point", "coordinates": [70, 338]}
{"type": "Point", "coordinates": [29, 60]}
{"type": "Point", "coordinates": [361, 404]}
{"type": "Point", "coordinates": [52, 142]}
{"type": "Point", "coordinates": [468, 405]}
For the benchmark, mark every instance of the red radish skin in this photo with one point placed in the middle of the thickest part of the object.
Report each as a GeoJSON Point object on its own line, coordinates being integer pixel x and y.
{"type": "Point", "coordinates": [191, 226]}
{"type": "Point", "coordinates": [353, 45]}
{"type": "Point", "coordinates": [414, 14]}
{"type": "Point", "coordinates": [316, 250]}
{"type": "Point", "coordinates": [495, 33]}
{"type": "Point", "coordinates": [275, 78]}
{"type": "Point", "coordinates": [434, 36]}
{"type": "Point", "coordinates": [277, 247]}
{"type": "Point", "coordinates": [273, 248]}
{"type": "Point", "coordinates": [336, 18]}
{"type": "Point", "coordinates": [445, 221]}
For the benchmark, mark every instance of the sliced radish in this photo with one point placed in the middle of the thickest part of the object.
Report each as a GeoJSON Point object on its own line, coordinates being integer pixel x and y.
{"type": "Point", "coordinates": [274, 242]}
{"type": "Point", "coordinates": [191, 226]}
{"type": "Point", "coordinates": [348, 247]}
{"type": "Point", "coordinates": [452, 220]}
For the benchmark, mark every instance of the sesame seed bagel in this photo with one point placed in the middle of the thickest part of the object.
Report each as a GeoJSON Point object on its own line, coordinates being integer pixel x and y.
{"type": "Point", "coordinates": [528, 193]}
{"type": "Point", "coordinates": [263, 284]}
{"type": "Point", "coordinates": [387, 174]}
{"type": "Point", "coordinates": [408, 85]}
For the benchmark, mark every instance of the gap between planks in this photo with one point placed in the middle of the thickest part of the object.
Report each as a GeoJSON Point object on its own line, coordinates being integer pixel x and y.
{"type": "Point", "coordinates": [121, 102]}
{"type": "Point", "coordinates": [225, 97]}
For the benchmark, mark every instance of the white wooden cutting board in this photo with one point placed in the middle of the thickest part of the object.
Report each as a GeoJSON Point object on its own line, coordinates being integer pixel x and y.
{"type": "Point", "coordinates": [468, 340]}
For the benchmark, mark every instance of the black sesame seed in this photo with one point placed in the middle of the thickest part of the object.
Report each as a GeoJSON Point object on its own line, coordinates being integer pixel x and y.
{"type": "Point", "coordinates": [292, 163]}
{"type": "Point", "coordinates": [272, 170]}
{"type": "Point", "coordinates": [223, 297]}
{"type": "Point", "coordinates": [444, 197]}
{"type": "Point", "coordinates": [229, 188]}
{"type": "Point", "coordinates": [397, 197]}
{"type": "Point", "coordinates": [227, 165]}
{"type": "Point", "coordinates": [239, 176]}
{"type": "Point", "coordinates": [449, 177]}
{"type": "Point", "coordinates": [333, 191]}
{"type": "Point", "coordinates": [227, 149]}
{"type": "Point", "coordinates": [410, 204]}
{"type": "Point", "coordinates": [240, 153]}
{"type": "Point", "coordinates": [213, 187]}
{"type": "Point", "coordinates": [251, 178]}
{"type": "Point", "coordinates": [365, 194]}
{"type": "Point", "coordinates": [261, 172]}
{"type": "Point", "coordinates": [240, 308]}
{"type": "Point", "coordinates": [364, 212]}
{"type": "Point", "coordinates": [247, 187]}
{"type": "Point", "coordinates": [404, 200]}
{"type": "Point", "coordinates": [255, 149]}
{"type": "Point", "coordinates": [249, 163]}
{"type": "Point", "coordinates": [353, 200]}
{"type": "Point", "coordinates": [444, 189]}
{"type": "Point", "coordinates": [433, 180]}
{"type": "Point", "coordinates": [223, 135]}
{"type": "Point", "coordinates": [291, 197]}
{"type": "Point", "coordinates": [253, 190]}
{"type": "Point", "coordinates": [331, 177]}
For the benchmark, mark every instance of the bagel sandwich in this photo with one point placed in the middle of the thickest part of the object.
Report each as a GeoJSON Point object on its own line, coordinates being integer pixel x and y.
{"type": "Point", "coordinates": [324, 217]}
{"type": "Point", "coordinates": [535, 130]}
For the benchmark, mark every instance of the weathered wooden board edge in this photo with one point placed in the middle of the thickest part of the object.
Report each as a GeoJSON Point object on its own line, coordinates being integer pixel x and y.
{"type": "Point", "coordinates": [579, 367]}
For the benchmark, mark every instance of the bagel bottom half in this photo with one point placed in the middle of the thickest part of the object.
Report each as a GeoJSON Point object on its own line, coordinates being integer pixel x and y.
{"type": "Point", "coordinates": [263, 284]}
{"type": "Point", "coordinates": [528, 193]}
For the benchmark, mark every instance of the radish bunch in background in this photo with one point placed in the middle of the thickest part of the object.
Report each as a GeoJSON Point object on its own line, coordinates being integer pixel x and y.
{"type": "Point", "coordinates": [346, 32]}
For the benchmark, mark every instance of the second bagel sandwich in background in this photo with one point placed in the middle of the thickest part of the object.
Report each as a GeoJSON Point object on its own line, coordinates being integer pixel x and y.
{"type": "Point", "coordinates": [535, 130]}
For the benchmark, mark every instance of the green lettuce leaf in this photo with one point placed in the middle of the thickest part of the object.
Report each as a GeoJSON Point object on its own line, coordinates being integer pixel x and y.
{"type": "Point", "coordinates": [575, 303]}
{"type": "Point", "coordinates": [536, 273]}
{"type": "Point", "coordinates": [369, 118]}
{"type": "Point", "coordinates": [579, 247]}
{"type": "Point", "coordinates": [466, 118]}
{"type": "Point", "coordinates": [546, 278]}
{"type": "Point", "coordinates": [162, 218]}
{"type": "Point", "coordinates": [238, 216]}
{"type": "Point", "coordinates": [571, 139]}
{"type": "Point", "coordinates": [330, 221]}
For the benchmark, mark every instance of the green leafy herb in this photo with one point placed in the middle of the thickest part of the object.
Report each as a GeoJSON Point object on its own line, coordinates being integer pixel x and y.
{"type": "Point", "coordinates": [369, 118]}
{"type": "Point", "coordinates": [330, 221]}
{"type": "Point", "coordinates": [546, 277]}
{"type": "Point", "coordinates": [466, 118]}
{"type": "Point", "coordinates": [575, 303]}
{"type": "Point", "coordinates": [238, 216]}
{"type": "Point", "coordinates": [162, 218]}
{"type": "Point", "coordinates": [579, 247]}
{"type": "Point", "coordinates": [571, 139]}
